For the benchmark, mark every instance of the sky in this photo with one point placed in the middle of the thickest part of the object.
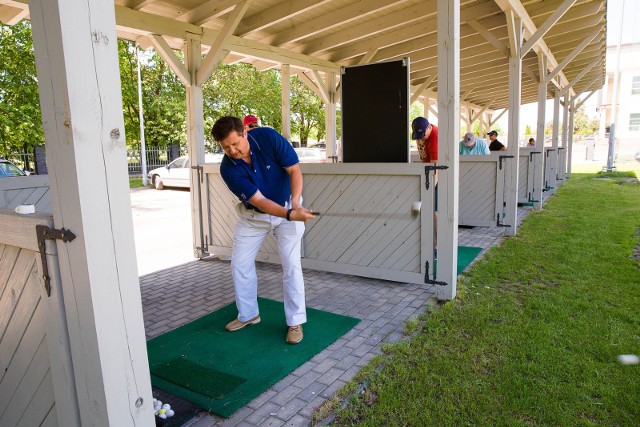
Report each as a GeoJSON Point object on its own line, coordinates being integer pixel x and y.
{"type": "Point", "coordinates": [529, 112]}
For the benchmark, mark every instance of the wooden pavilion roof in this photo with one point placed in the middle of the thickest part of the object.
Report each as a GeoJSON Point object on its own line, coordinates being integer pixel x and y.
{"type": "Point", "coordinates": [323, 35]}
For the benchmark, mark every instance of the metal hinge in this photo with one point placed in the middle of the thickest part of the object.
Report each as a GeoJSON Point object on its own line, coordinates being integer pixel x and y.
{"type": "Point", "coordinates": [200, 174]}
{"type": "Point", "coordinates": [503, 157]}
{"type": "Point", "coordinates": [531, 155]}
{"type": "Point", "coordinates": [499, 223]}
{"type": "Point", "coordinates": [429, 168]}
{"type": "Point", "coordinates": [429, 281]}
{"type": "Point", "coordinates": [42, 233]}
{"type": "Point", "coordinates": [550, 150]}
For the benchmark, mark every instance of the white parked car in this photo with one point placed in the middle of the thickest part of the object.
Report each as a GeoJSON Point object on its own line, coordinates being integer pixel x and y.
{"type": "Point", "coordinates": [176, 173]}
{"type": "Point", "coordinates": [311, 155]}
{"type": "Point", "coordinates": [8, 169]}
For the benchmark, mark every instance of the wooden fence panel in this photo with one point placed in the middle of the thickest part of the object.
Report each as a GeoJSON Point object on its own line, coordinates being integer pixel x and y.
{"type": "Point", "coordinates": [481, 190]}
{"type": "Point", "coordinates": [366, 226]}
{"type": "Point", "coordinates": [33, 190]}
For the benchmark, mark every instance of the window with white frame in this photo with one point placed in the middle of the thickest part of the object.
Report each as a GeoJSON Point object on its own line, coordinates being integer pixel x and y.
{"type": "Point", "coordinates": [634, 122]}
{"type": "Point", "coordinates": [635, 86]}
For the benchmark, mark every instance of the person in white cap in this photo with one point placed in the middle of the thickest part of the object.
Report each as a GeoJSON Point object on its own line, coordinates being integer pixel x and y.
{"type": "Point", "coordinates": [472, 145]}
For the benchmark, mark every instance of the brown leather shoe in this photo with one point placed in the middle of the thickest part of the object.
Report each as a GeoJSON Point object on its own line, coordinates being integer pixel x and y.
{"type": "Point", "coordinates": [236, 325]}
{"type": "Point", "coordinates": [294, 336]}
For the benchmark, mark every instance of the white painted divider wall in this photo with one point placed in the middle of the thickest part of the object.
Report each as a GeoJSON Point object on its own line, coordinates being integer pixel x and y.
{"type": "Point", "coordinates": [550, 167]}
{"type": "Point", "coordinates": [366, 227]}
{"type": "Point", "coordinates": [527, 176]}
{"type": "Point", "coordinates": [562, 164]}
{"type": "Point", "coordinates": [482, 183]}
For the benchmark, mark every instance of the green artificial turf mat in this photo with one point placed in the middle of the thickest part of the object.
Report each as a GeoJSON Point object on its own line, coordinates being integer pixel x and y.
{"type": "Point", "coordinates": [222, 371]}
{"type": "Point", "coordinates": [466, 254]}
{"type": "Point", "coordinates": [521, 204]}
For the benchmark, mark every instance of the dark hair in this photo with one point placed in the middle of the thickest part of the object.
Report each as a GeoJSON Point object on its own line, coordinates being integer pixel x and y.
{"type": "Point", "coordinates": [224, 126]}
{"type": "Point", "coordinates": [253, 125]}
{"type": "Point", "coordinates": [531, 139]}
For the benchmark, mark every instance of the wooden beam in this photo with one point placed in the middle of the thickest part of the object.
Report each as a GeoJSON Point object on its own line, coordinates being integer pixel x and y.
{"type": "Point", "coordinates": [493, 120]}
{"type": "Point", "coordinates": [10, 15]}
{"type": "Point", "coordinates": [274, 15]}
{"type": "Point", "coordinates": [481, 112]}
{"type": "Point", "coordinates": [311, 84]}
{"type": "Point", "coordinates": [207, 11]}
{"type": "Point", "coordinates": [421, 88]}
{"type": "Point", "coordinates": [488, 36]}
{"type": "Point", "coordinates": [572, 55]}
{"type": "Point", "coordinates": [577, 78]}
{"type": "Point", "coordinates": [367, 57]}
{"type": "Point", "coordinates": [160, 45]}
{"type": "Point", "coordinates": [145, 23]}
{"type": "Point", "coordinates": [339, 17]}
{"type": "Point", "coordinates": [322, 87]}
{"type": "Point", "coordinates": [217, 52]}
{"type": "Point", "coordinates": [544, 28]}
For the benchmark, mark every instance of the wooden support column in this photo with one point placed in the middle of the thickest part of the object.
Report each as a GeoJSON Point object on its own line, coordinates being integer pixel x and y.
{"type": "Point", "coordinates": [80, 97]}
{"type": "Point", "coordinates": [333, 151]}
{"type": "Point", "coordinates": [195, 142]}
{"type": "Point", "coordinates": [514, 24]}
{"type": "Point", "coordinates": [555, 139]}
{"type": "Point", "coordinates": [538, 159]}
{"type": "Point", "coordinates": [425, 105]}
{"type": "Point", "coordinates": [448, 134]}
{"type": "Point", "coordinates": [570, 139]}
{"type": "Point", "coordinates": [562, 169]}
{"type": "Point", "coordinates": [286, 101]}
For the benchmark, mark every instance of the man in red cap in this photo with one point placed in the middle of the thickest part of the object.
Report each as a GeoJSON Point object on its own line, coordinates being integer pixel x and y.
{"type": "Point", "coordinates": [250, 122]}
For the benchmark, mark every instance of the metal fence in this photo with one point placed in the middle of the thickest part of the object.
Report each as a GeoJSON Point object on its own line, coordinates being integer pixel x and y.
{"type": "Point", "coordinates": [156, 157]}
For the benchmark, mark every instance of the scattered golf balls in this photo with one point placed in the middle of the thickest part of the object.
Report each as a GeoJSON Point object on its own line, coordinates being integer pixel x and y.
{"type": "Point", "coordinates": [628, 359]}
{"type": "Point", "coordinates": [162, 410]}
{"type": "Point", "coordinates": [166, 406]}
{"type": "Point", "coordinates": [163, 416]}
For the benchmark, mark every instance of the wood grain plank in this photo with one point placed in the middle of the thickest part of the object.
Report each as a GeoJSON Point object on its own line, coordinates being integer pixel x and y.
{"type": "Point", "coordinates": [18, 292]}
{"type": "Point", "coordinates": [41, 403]}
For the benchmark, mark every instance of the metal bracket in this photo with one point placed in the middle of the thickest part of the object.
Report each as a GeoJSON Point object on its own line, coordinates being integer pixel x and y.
{"type": "Point", "coordinates": [200, 174]}
{"type": "Point", "coordinates": [499, 223]}
{"type": "Point", "coordinates": [503, 157]}
{"type": "Point", "coordinates": [549, 150]}
{"type": "Point", "coordinates": [429, 281]}
{"type": "Point", "coordinates": [531, 155]}
{"type": "Point", "coordinates": [429, 168]}
{"type": "Point", "coordinates": [42, 233]}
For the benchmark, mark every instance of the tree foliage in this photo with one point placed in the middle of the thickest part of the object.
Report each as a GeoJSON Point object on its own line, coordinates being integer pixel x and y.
{"type": "Point", "coordinates": [20, 119]}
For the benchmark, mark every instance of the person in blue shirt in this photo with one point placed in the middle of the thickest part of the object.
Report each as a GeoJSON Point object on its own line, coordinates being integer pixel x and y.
{"type": "Point", "coordinates": [261, 168]}
{"type": "Point", "coordinates": [472, 145]}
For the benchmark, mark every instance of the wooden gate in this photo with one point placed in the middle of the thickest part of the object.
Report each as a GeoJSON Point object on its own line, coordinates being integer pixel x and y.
{"type": "Point", "coordinates": [33, 190]}
{"type": "Point", "coordinates": [550, 167]}
{"type": "Point", "coordinates": [367, 226]}
{"type": "Point", "coordinates": [481, 190]}
{"type": "Point", "coordinates": [562, 164]}
{"type": "Point", "coordinates": [36, 377]}
{"type": "Point", "coordinates": [527, 175]}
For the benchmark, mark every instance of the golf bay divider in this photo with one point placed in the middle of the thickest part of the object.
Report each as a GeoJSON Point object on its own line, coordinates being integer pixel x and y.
{"type": "Point", "coordinates": [36, 380]}
{"type": "Point", "coordinates": [527, 174]}
{"type": "Point", "coordinates": [366, 227]}
{"type": "Point", "coordinates": [482, 185]}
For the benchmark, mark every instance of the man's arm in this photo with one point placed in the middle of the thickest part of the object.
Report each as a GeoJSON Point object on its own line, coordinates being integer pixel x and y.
{"type": "Point", "coordinates": [272, 208]}
{"type": "Point", "coordinates": [295, 176]}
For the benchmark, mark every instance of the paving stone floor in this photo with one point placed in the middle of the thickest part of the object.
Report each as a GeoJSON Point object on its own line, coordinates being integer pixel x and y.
{"type": "Point", "coordinates": [176, 296]}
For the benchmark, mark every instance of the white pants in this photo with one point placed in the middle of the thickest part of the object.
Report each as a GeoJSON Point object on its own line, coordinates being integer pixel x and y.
{"type": "Point", "coordinates": [251, 230]}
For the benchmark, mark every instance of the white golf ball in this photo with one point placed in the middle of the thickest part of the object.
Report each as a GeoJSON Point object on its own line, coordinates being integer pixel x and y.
{"type": "Point", "coordinates": [628, 359]}
{"type": "Point", "coordinates": [170, 413]}
{"type": "Point", "coordinates": [166, 406]}
{"type": "Point", "coordinates": [163, 416]}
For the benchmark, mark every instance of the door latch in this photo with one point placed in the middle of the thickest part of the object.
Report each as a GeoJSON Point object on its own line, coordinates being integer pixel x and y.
{"type": "Point", "coordinates": [43, 232]}
{"type": "Point", "coordinates": [429, 168]}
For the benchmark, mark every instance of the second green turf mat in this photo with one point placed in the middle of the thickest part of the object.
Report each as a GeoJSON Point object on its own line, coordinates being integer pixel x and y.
{"type": "Point", "coordinates": [222, 371]}
{"type": "Point", "coordinates": [466, 254]}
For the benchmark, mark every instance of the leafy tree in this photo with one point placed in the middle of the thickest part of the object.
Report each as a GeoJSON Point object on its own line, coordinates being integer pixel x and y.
{"type": "Point", "coordinates": [20, 119]}
{"type": "Point", "coordinates": [528, 131]}
{"type": "Point", "coordinates": [307, 112]}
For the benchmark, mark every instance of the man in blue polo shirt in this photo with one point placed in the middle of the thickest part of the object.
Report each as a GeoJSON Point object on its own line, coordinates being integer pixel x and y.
{"type": "Point", "coordinates": [261, 168]}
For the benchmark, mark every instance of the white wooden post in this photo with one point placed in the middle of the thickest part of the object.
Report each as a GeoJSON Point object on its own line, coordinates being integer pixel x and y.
{"type": "Point", "coordinates": [195, 140]}
{"type": "Point", "coordinates": [565, 129]}
{"type": "Point", "coordinates": [512, 165]}
{"type": "Point", "coordinates": [538, 159]}
{"type": "Point", "coordinates": [448, 137]}
{"type": "Point", "coordinates": [570, 142]}
{"type": "Point", "coordinates": [555, 138]}
{"type": "Point", "coordinates": [286, 101]}
{"type": "Point", "coordinates": [332, 148]}
{"type": "Point", "coordinates": [425, 104]}
{"type": "Point", "coordinates": [80, 97]}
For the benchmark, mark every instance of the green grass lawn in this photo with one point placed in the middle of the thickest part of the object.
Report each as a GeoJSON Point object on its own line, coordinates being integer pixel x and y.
{"type": "Point", "coordinates": [534, 334]}
{"type": "Point", "coordinates": [135, 183]}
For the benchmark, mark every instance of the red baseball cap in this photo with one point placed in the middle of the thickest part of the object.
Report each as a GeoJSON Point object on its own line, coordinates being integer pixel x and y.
{"type": "Point", "coordinates": [249, 119]}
